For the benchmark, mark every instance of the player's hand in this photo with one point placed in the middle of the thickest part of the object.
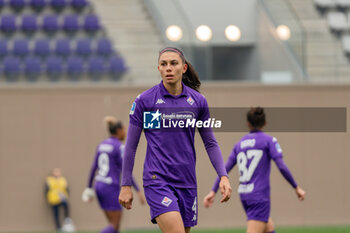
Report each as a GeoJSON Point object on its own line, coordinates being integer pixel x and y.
{"type": "Point", "coordinates": [88, 195]}
{"type": "Point", "coordinates": [126, 197]}
{"type": "Point", "coordinates": [141, 198]}
{"type": "Point", "coordinates": [300, 193]}
{"type": "Point", "coordinates": [209, 199]}
{"type": "Point", "coordinates": [225, 189]}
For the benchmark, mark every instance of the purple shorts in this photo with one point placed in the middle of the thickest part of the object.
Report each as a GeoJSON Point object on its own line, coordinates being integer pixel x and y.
{"type": "Point", "coordinates": [257, 210]}
{"type": "Point", "coordinates": [108, 196]}
{"type": "Point", "coordinates": [165, 198]}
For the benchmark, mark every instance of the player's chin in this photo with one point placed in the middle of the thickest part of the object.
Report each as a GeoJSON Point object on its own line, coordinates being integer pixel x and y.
{"type": "Point", "coordinates": [170, 80]}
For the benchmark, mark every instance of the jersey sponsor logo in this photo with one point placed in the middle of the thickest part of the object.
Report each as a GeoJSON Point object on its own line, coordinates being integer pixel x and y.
{"type": "Point", "coordinates": [132, 110]}
{"type": "Point", "coordinates": [151, 120]}
{"type": "Point", "coordinates": [278, 148]}
{"type": "Point", "coordinates": [166, 201]}
{"type": "Point", "coordinates": [160, 101]}
{"type": "Point", "coordinates": [190, 100]}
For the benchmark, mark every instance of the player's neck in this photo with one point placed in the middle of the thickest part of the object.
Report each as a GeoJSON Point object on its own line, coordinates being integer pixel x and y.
{"type": "Point", "coordinates": [173, 89]}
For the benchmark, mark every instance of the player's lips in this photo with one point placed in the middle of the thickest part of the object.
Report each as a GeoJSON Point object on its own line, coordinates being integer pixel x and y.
{"type": "Point", "coordinates": [169, 75]}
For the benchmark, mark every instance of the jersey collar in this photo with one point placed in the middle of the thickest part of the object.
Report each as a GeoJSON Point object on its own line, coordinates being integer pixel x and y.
{"type": "Point", "coordinates": [164, 92]}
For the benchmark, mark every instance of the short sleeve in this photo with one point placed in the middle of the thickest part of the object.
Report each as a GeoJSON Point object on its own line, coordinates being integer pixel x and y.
{"type": "Point", "coordinates": [136, 112]}
{"type": "Point", "coordinates": [275, 148]}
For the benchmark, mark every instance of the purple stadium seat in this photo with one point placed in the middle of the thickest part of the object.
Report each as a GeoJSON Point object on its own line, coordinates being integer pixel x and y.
{"type": "Point", "coordinates": [96, 66]}
{"type": "Point", "coordinates": [75, 67]}
{"type": "Point", "coordinates": [12, 67]}
{"type": "Point", "coordinates": [8, 23]}
{"type": "Point", "coordinates": [50, 23]}
{"type": "Point", "coordinates": [21, 47]}
{"type": "Point", "coordinates": [17, 5]}
{"type": "Point", "coordinates": [71, 23]}
{"type": "Point", "coordinates": [78, 5]}
{"type": "Point", "coordinates": [58, 5]}
{"type": "Point", "coordinates": [63, 47]}
{"type": "Point", "coordinates": [54, 67]}
{"type": "Point", "coordinates": [2, 3]}
{"type": "Point", "coordinates": [42, 47]}
{"type": "Point", "coordinates": [37, 5]}
{"type": "Point", "coordinates": [83, 47]}
{"type": "Point", "coordinates": [116, 67]}
{"type": "Point", "coordinates": [3, 48]}
{"type": "Point", "coordinates": [32, 67]}
{"type": "Point", "coordinates": [91, 23]}
{"type": "Point", "coordinates": [104, 47]}
{"type": "Point", "coordinates": [29, 23]}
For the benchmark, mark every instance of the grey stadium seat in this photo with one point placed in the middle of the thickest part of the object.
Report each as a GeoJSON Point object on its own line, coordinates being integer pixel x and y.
{"type": "Point", "coordinates": [346, 44]}
{"type": "Point", "coordinates": [337, 21]}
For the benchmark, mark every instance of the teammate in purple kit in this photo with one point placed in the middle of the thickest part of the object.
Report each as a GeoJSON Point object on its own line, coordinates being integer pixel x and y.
{"type": "Point", "coordinates": [169, 176]}
{"type": "Point", "coordinates": [253, 154]}
{"type": "Point", "coordinates": [108, 162]}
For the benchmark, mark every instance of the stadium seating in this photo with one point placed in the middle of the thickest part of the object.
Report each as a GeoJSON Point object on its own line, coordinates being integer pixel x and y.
{"type": "Point", "coordinates": [12, 68]}
{"type": "Point", "coordinates": [63, 47]}
{"type": "Point", "coordinates": [54, 67]}
{"type": "Point", "coordinates": [104, 47]}
{"type": "Point", "coordinates": [8, 23]}
{"type": "Point", "coordinates": [29, 23]}
{"type": "Point", "coordinates": [37, 5]}
{"type": "Point", "coordinates": [3, 48]}
{"type": "Point", "coordinates": [21, 47]}
{"type": "Point", "coordinates": [54, 38]}
{"type": "Point", "coordinates": [32, 67]}
{"type": "Point", "coordinates": [50, 23]}
{"type": "Point", "coordinates": [42, 47]}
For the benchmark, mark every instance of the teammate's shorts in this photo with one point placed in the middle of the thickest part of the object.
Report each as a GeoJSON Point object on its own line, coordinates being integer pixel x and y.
{"type": "Point", "coordinates": [163, 198]}
{"type": "Point", "coordinates": [257, 210]}
{"type": "Point", "coordinates": [108, 196]}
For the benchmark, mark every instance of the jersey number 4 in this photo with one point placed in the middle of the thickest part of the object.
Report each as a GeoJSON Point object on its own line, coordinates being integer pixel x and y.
{"type": "Point", "coordinates": [245, 172]}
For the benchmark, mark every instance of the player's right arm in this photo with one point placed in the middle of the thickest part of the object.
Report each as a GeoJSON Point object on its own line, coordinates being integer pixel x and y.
{"type": "Point", "coordinates": [230, 163]}
{"type": "Point", "coordinates": [132, 140]}
{"type": "Point", "coordinates": [88, 193]}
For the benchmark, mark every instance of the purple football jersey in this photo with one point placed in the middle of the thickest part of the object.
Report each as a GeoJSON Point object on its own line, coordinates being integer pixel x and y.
{"type": "Point", "coordinates": [170, 156]}
{"type": "Point", "coordinates": [108, 161]}
{"type": "Point", "coordinates": [253, 154]}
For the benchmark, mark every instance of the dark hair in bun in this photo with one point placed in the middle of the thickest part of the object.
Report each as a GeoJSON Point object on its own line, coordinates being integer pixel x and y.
{"type": "Point", "coordinates": [256, 117]}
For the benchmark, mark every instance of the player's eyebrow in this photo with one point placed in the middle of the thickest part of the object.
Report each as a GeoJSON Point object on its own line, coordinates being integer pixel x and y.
{"type": "Point", "coordinates": [169, 61]}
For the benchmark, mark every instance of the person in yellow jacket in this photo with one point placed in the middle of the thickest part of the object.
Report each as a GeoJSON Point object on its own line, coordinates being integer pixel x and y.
{"type": "Point", "coordinates": [57, 195]}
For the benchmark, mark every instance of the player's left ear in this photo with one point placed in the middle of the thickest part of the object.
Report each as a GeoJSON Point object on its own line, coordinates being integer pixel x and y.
{"type": "Point", "coordinates": [185, 68]}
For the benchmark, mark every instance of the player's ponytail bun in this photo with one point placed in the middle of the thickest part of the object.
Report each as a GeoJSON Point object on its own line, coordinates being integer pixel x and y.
{"type": "Point", "coordinates": [112, 124]}
{"type": "Point", "coordinates": [256, 117]}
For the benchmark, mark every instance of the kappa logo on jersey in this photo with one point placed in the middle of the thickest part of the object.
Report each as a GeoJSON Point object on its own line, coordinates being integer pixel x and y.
{"type": "Point", "coordinates": [190, 100]}
{"type": "Point", "coordinates": [166, 201]}
{"type": "Point", "coordinates": [160, 101]}
{"type": "Point", "coordinates": [132, 110]}
{"type": "Point", "coordinates": [151, 120]}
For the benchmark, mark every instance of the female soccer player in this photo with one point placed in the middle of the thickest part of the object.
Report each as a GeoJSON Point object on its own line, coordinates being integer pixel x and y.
{"type": "Point", "coordinates": [108, 161]}
{"type": "Point", "coordinates": [169, 176]}
{"type": "Point", "coordinates": [253, 154]}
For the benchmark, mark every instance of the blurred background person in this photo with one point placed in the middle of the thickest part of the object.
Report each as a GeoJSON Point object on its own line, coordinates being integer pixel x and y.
{"type": "Point", "coordinates": [56, 190]}
{"type": "Point", "coordinates": [108, 163]}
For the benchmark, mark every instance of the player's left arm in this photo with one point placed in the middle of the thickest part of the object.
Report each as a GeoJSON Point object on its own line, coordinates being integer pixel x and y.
{"type": "Point", "coordinates": [214, 152]}
{"type": "Point", "coordinates": [276, 155]}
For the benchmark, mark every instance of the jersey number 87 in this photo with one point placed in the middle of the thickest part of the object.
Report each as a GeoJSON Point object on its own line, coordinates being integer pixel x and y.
{"type": "Point", "coordinates": [245, 172]}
